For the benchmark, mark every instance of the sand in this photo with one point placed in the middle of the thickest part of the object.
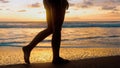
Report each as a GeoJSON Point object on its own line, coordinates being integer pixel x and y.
{"type": "Point", "coordinates": [12, 57]}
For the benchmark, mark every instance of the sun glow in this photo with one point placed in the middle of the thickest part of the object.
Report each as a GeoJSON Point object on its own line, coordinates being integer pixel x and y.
{"type": "Point", "coordinates": [79, 10]}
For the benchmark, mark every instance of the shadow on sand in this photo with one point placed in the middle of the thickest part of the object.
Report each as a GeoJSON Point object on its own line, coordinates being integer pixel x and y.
{"type": "Point", "coordinates": [101, 62]}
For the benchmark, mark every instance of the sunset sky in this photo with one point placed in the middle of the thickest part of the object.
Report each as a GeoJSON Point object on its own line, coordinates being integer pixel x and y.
{"type": "Point", "coordinates": [80, 10]}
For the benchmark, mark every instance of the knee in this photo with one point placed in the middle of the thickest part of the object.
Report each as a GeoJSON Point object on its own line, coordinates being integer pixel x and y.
{"type": "Point", "coordinates": [49, 30]}
{"type": "Point", "coordinates": [57, 31]}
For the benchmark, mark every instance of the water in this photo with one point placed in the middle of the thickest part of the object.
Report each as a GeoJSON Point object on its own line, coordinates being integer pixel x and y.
{"type": "Point", "coordinates": [74, 34]}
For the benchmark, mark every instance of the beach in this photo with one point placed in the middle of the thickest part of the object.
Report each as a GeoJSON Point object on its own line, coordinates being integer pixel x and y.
{"type": "Point", "coordinates": [85, 44]}
{"type": "Point", "coordinates": [12, 57]}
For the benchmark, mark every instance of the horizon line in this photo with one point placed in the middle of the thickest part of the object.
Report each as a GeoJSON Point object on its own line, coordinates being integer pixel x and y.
{"type": "Point", "coordinates": [64, 21]}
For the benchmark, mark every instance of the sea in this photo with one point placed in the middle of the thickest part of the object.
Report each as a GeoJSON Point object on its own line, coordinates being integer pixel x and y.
{"type": "Point", "coordinates": [76, 34]}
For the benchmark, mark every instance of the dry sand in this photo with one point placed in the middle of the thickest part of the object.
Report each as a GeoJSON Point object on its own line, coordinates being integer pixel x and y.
{"type": "Point", "coordinates": [12, 57]}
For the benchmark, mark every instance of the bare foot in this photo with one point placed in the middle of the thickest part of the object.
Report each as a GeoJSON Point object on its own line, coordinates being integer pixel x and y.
{"type": "Point", "coordinates": [26, 55]}
{"type": "Point", "coordinates": [60, 61]}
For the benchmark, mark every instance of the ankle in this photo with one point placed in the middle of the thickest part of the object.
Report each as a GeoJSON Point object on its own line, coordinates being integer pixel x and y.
{"type": "Point", "coordinates": [57, 57]}
{"type": "Point", "coordinates": [27, 48]}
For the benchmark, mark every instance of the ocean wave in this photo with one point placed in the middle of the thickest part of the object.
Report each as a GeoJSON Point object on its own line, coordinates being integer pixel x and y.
{"type": "Point", "coordinates": [14, 43]}
{"type": "Point", "coordinates": [65, 25]}
{"type": "Point", "coordinates": [91, 25]}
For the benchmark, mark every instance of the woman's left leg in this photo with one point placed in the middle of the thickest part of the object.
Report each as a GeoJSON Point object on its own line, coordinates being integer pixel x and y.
{"type": "Point", "coordinates": [58, 19]}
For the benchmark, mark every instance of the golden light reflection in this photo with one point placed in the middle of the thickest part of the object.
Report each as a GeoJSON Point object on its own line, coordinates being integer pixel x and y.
{"type": "Point", "coordinates": [41, 55]}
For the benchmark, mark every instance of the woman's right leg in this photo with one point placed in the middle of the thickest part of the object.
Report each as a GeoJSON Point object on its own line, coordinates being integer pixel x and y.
{"type": "Point", "coordinates": [39, 37]}
{"type": "Point", "coordinates": [27, 49]}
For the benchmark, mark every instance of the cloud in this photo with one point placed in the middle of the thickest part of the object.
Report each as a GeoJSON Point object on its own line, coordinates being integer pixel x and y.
{"type": "Point", "coordinates": [67, 11]}
{"type": "Point", "coordinates": [21, 10]}
{"type": "Point", "coordinates": [4, 1]}
{"type": "Point", "coordinates": [81, 4]}
{"type": "Point", "coordinates": [108, 7]}
{"type": "Point", "coordinates": [7, 9]}
{"type": "Point", "coordinates": [113, 14]}
{"type": "Point", "coordinates": [72, 4]}
{"type": "Point", "coordinates": [35, 5]}
{"type": "Point", "coordinates": [109, 4]}
{"type": "Point", "coordinates": [88, 2]}
{"type": "Point", "coordinates": [39, 12]}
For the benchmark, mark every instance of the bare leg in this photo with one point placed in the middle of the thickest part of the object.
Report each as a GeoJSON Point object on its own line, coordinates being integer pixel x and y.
{"type": "Point", "coordinates": [58, 18]}
{"type": "Point", "coordinates": [34, 42]}
{"type": "Point", "coordinates": [42, 35]}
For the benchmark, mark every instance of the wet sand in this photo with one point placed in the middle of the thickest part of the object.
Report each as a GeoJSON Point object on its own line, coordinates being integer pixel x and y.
{"type": "Point", "coordinates": [12, 57]}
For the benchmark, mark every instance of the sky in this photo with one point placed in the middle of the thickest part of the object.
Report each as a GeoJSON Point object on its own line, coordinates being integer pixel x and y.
{"type": "Point", "coordinates": [79, 10]}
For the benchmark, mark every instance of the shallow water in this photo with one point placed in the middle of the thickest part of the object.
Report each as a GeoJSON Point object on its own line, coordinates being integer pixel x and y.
{"type": "Point", "coordinates": [72, 37]}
